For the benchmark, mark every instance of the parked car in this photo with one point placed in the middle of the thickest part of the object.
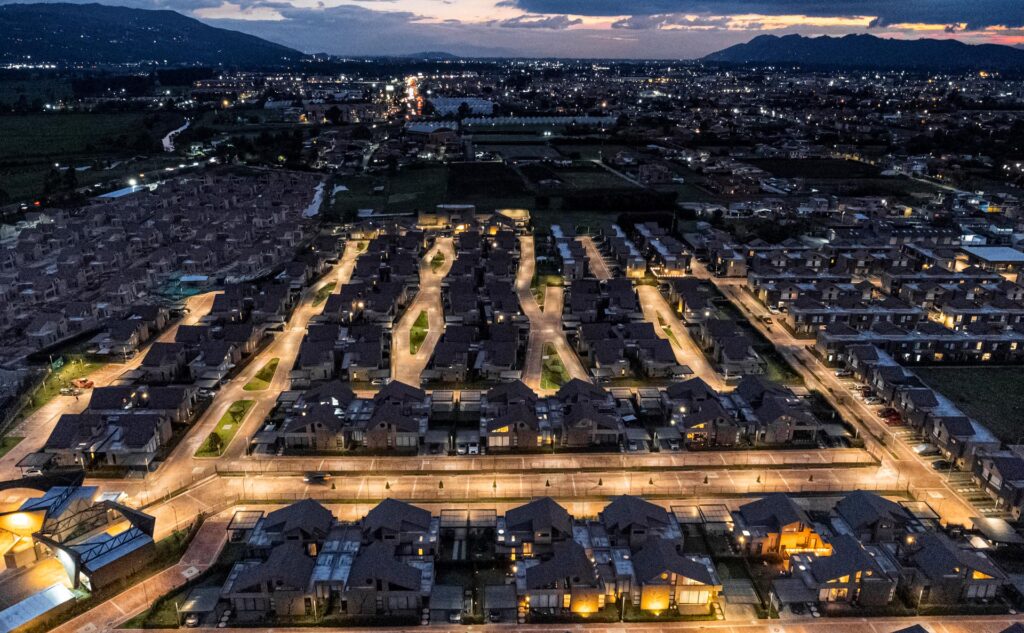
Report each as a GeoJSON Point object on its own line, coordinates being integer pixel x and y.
{"type": "Point", "coordinates": [843, 373]}
{"type": "Point", "coordinates": [924, 449]}
{"type": "Point", "coordinates": [942, 464]}
{"type": "Point", "coordinates": [192, 620]}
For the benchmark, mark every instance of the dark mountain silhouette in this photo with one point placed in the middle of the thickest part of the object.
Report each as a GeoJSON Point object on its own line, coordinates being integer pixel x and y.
{"type": "Point", "coordinates": [868, 51]}
{"type": "Point", "coordinates": [94, 33]}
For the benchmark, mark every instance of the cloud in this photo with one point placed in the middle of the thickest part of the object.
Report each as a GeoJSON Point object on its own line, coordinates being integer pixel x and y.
{"type": "Point", "coordinates": [671, 21]}
{"type": "Point", "coordinates": [539, 22]}
{"type": "Point", "coordinates": [976, 14]}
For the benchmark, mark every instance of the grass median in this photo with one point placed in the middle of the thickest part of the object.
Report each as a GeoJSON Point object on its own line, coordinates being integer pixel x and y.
{"type": "Point", "coordinates": [553, 372]}
{"type": "Point", "coordinates": [418, 332]}
{"type": "Point", "coordinates": [437, 261]}
{"type": "Point", "coordinates": [227, 426]}
{"type": "Point", "coordinates": [323, 292]}
{"type": "Point", "coordinates": [263, 377]}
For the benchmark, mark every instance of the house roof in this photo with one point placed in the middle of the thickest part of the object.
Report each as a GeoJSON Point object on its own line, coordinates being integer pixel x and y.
{"type": "Point", "coordinates": [862, 508]}
{"type": "Point", "coordinates": [625, 511]}
{"type": "Point", "coordinates": [377, 561]}
{"type": "Point", "coordinates": [568, 565]}
{"type": "Point", "coordinates": [775, 511]}
{"type": "Point", "coordinates": [307, 516]}
{"type": "Point", "coordinates": [396, 515]}
{"type": "Point", "coordinates": [660, 555]}
{"type": "Point", "coordinates": [847, 558]}
{"type": "Point", "coordinates": [543, 514]}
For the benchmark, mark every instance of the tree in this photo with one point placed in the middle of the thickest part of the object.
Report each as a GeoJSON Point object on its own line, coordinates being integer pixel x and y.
{"type": "Point", "coordinates": [214, 442]}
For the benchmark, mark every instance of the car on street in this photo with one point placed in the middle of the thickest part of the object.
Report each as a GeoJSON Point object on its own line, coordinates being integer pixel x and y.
{"type": "Point", "coordinates": [316, 477]}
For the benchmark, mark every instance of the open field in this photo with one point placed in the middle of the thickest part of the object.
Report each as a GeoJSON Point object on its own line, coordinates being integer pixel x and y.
{"type": "Point", "coordinates": [815, 168]}
{"type": "Point", "coordinates": [101, 146]}
{"type": "Point", "coordinates": [405, 191]}
{"type": "Point", "coordinates": [992, 395]}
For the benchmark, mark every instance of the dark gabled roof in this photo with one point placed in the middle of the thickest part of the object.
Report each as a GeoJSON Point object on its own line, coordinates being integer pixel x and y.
{"type": "Point", "coordinates": [626, 510]}
{"type": "Point", "coordinates": [774, 511]}
{"type": "Point", "coordinates": [104, 398]}
{"type": "Point", "coordinates": [693, 389]}
{"type": "Point", "coordinates": [848, 557]}
{"type": "Point", "coordinates": [568, 565]}
{"type": "Point", "coordinates": [391, 415]}
{"type": "Point", "coordinates": [516, 413]}
{"type": "Point", "coordinates": [584, 411]}
{"type": "Point", "coordinates": [376, 562]}
{"type": "Point", "coordinates": [334, 392]}
{"type": "Point", "coordinates": [74, 428]}
{"type": "Point", "coordinates": [288, 564]}
{"type": "Point", "coordinates": [399, 392]}
{"type": "Point", "coordinates": [580, 390]}
{"type": "Point", "coordinates": [542, 514]}
{"type": "Point", "coordinates": [307, 516]}
{"type": "Point", "coordinates": [660, 555]}
{"type": "Point", "coordinates": [862, 508]}
{"type": "Point", "coordinates": [396, 515]}
{"type": "Point", "coordinates": [515, 391]}
{"type": "Point", "coordinates": [938, 557]}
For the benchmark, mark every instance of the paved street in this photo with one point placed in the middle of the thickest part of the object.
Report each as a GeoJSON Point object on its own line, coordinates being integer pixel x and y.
{"type": "Point", "coordinates": [201, 553]}
{"type": "Point", "coordinates": [545, 325]}
{"type": "Point", "coordinates": [971, 624]}
{"type": "Point", "coordinates": [406, 366]}
{"type": "Point", "coordinates": [598, 264]}
{"type": "Point", "coordinates": [657, 311]}
{"type": "Point", "coordinates": [36, 428]}
{"type": "Point", "coordinates": [928, 484]}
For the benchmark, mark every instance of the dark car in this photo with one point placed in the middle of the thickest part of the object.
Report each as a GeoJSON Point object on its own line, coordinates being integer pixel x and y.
{"type": "Point", "coordinates": [316, 477]}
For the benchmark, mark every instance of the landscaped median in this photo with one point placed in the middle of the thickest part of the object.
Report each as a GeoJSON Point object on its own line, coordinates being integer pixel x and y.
{"type": "Point", "coordinates": [437, 261]}
{"type": "Point", "coordinates": [323, 292]}
{"type": "Point", "coordinates": [263, 377]}
{"type": "Point", "coordinates": [418, 332]}
{"type": "Point", "coordinates": [553, 372]}
{"type": "Point", "coordinates": [227, 426]}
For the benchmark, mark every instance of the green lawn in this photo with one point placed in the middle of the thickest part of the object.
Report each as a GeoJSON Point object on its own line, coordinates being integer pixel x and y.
{"type": "Point", "coordinates": [226, 429]}
{"type": "Point", "coordinates": [263, 377]}
{"type": "Point", "coordinates": [992, 395]}
{"type": "Point", "coordinates": [437, 261]}
{"type": "Point", "coordinates": [553, 373]}
{"type": "Point", "coordinates": [7, 443]}
{"type": "Point", "coordinates": [407, 190]}
{"type": "Point", "coordinates": [57, 380]}
{"type": "Point", "coordinates": [323, 292]}
{"type": "Point", "coordinates": [418, 332]}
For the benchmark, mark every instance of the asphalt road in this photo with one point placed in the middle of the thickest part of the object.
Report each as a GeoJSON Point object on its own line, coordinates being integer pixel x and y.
{"type": "Point", "coordinates": [406, 366]}
{"type": "Point", "coordinates": [545, 324]}
{"type": "Point", "coordinates": [687, 352]}
{"type": "Point", "coordinates": [928, 484]}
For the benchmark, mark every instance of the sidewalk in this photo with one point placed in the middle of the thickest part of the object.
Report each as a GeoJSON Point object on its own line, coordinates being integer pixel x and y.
{"type": "Point", "coordinates": [202, 551]}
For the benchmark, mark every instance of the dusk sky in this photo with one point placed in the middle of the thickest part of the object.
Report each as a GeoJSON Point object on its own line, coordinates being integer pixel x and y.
{"type": "Point", "coordinates": [590, 28]}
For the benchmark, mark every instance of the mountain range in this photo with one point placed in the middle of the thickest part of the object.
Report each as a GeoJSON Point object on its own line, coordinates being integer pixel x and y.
{"type": "Point", "coordinates": [868, 51]}
{"type": "Point", "coordinates": [93, 33]}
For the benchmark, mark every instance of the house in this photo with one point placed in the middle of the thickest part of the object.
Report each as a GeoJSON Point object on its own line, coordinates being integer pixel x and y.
{"type": "Point", "coordinates": [379, 583]}
{"type": "Point", "coordinates": [668, 580]}
{"type": "Point", "coordinates": [389, 428]}
{"type": "Point", "coordinates": [776, 526]}
{"type": "Point", "coordinates": [585, 426]}
{"type": "Point", "coordinates": [305, 523]}
{"type": "Point", "coordinates": [46, 329]}
{"type": "Point", "coordinates": [850, 574]}
{"type": "Point", "coordinates": [1001, 476]}
{"type": "Point", "coordinates": [531, 529]}
{"type": "Point", "coordinates": [631, 521]}
{"type": "Point", "coordinates": [565, 583]}
{"type": "Point", "coordinates": [517, 428]}
{"type": "Point", "coordinates": [941, 571]}
{"type": "Point", "coordinates": [873, 518]}
{"type": "Point", "coordinates": [166, 363]}
{"type": "Point", "coordinates": [278, 586]}
{"type": "Point", "coordinates": [410, 529]}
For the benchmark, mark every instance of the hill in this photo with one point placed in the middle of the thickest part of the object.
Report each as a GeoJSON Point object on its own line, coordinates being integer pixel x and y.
{"type": "Point", "coordinates": [868, 51]}
{"type": "Point", "coordinates": [93, 33]}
